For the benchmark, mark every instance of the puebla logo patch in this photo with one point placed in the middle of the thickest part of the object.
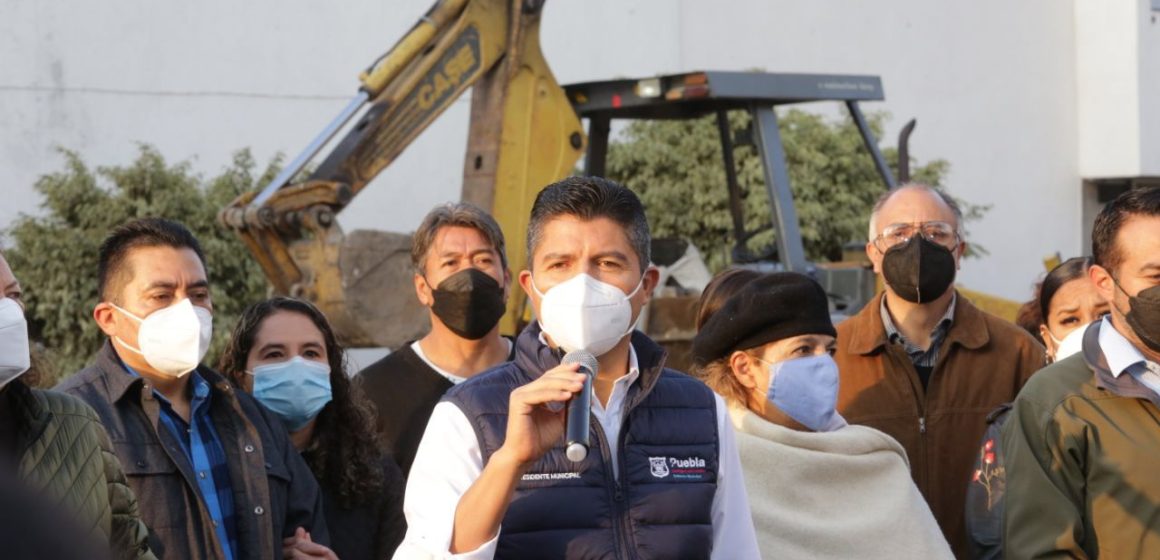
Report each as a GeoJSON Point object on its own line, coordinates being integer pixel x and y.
{"type": "Point", "coordinates": [659, 466]}
{"type": "Point", "coordinates": [679, 468]}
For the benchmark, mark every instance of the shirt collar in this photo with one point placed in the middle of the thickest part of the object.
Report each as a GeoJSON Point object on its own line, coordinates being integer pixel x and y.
{"type": "Point", "coordinates": [1120, 353]}
{"type": "Point", "coordinates": [200, 385]}
{"type": "Point", "coordinates": [943, 325]}
{"type": "Point", "coordinates": [418, 350]}
{"type": "Point", "coordinates": [633, 367]}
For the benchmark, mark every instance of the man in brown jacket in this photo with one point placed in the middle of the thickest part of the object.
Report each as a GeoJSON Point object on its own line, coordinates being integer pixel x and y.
{"type": "Point", "coordinates": [920, 362]}
{"type": "Point", "coordinates": [1083, 443]}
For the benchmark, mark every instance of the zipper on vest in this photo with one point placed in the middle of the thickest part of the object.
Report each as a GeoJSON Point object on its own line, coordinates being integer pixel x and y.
{"type": "Point", "coordinates": [615, 492]}
{"type": "Point", "coordinates": [627, 547]}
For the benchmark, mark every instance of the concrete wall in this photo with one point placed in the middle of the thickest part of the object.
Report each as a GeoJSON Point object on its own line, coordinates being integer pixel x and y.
{"type": "Point", "coordinates": [992, 83]}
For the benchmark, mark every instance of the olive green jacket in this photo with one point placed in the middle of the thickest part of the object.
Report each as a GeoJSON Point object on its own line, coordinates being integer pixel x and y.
{"type": "Point", "coordinates": [1083, 463]}
{"type": "Point", "coordinates": [66, 455]}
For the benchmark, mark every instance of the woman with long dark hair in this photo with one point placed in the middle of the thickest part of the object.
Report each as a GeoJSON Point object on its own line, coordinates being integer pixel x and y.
{"type": "Point", "coordinates": [285, 353]}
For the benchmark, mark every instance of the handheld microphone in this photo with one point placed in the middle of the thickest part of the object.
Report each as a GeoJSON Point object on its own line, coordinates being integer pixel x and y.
{"type": "Point", "coordinates": [577, 414]}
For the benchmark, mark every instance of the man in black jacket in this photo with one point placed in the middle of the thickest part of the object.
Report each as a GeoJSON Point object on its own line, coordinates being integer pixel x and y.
{"type": "Point", "coordinates": [461, 276]}
{"type": "Point", "coordinates": [215, 473]}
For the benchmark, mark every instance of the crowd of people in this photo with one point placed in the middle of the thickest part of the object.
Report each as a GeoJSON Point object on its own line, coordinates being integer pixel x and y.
{"type": "Point", "coordinates": [921, 427]}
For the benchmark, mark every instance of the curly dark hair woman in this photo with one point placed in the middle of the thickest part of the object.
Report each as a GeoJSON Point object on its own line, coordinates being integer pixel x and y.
{"type": "Point", "coordinates": [284, 351]}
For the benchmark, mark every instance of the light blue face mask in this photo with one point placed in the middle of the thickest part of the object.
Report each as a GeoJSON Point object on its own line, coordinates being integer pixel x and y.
{"type": "Point", "coordinates": [806, 389]}
{"type": "Point", "coordinates": [295, 390]}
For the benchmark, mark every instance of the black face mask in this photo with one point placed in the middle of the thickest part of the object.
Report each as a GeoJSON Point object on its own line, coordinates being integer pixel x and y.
{"type": "Point", "coordinates": [469, 302]}
{"type": "Point", "coordinates": [919, 271]}
{"type": "Point", "coordinates": [1144, 316]}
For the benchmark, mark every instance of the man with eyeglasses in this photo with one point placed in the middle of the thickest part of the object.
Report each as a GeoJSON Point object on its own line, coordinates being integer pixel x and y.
{"type": "Point", "coordinates": [922, 363]}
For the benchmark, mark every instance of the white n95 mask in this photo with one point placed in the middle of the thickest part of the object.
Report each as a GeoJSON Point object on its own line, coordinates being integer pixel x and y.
{"type": "Point", "coordinates": [1071, 344]}
{"type": "Point", "coordinates": [583, 313]}
{"type": "Point", "coordinates": [14, 357]}
{"type": "Point", "coordinates": [172, 340]}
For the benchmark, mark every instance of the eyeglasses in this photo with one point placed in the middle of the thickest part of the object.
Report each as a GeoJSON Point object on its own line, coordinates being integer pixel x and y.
{"type": "Point", "coordinates": [941, 233]}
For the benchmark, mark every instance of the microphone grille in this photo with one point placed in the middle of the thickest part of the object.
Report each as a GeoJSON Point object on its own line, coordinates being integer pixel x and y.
{"type": "Point", "coordinates": [584, 358]}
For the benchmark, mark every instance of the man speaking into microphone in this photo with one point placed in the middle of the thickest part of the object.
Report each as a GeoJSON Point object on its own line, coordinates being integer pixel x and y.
{"type": "Point", "coordinates": [661, 477]}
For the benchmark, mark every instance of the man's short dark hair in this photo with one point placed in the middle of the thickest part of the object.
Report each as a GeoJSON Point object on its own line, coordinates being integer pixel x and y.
{"type": "Point", "coordinates": [1135, 202]}
{"type": "Point", "coordinates": [455, 214]}
{"type": "Point", "coordinates": [588, 198]}
{"type": "Point", "coordinates": [112, 274]}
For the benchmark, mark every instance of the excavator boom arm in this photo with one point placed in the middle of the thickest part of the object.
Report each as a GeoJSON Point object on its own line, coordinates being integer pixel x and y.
{"type": "Point", "coordinates": [524, 134]}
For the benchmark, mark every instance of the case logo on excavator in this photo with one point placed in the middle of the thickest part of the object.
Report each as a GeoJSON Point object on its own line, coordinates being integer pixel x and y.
{"type": "Point", "coordinates": [460, 62]}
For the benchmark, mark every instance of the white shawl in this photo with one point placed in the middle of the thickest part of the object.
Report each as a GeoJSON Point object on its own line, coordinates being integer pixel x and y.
{"type": "Point", "coordinates": [841, 494]}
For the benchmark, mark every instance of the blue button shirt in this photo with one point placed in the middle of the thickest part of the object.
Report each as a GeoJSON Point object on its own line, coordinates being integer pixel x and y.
{"type": "Point", "coordinates": [1123, 357]}
{"type": "Point", "coordinates": [202, 446]}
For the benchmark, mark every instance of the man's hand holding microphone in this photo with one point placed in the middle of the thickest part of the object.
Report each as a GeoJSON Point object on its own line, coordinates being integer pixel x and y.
{"type": "Point", "coordinates": [539, 413]}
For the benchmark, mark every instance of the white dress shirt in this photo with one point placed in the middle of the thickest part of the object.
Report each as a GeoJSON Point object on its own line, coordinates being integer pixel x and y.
{"type": "Point", "coordinates": [449, 461]}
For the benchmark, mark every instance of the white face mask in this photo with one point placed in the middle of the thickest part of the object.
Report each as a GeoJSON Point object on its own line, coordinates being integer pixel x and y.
{"type": "Point", "coordinates": [1071, 344]}
{"type": "Point", "coordinates": [583, 313]}
{"type": "Point", "coordinates": [14, 357]}
{"type": "Point", "coordinates": [172, 340]}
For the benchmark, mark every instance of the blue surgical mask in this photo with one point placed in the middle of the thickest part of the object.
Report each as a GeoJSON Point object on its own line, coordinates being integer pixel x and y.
{"type": "Point", "coordinates": [806, 389]}
{"type": "Point", "coordinates": [295, 390]}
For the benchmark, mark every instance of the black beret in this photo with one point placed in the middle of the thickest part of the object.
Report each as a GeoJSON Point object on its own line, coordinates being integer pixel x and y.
{"type": "Point", "coordinates": [769, 308]}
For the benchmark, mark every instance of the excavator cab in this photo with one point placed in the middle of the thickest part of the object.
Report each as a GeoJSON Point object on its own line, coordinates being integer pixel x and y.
{"type": "Point", "coordinates": [670, 318]}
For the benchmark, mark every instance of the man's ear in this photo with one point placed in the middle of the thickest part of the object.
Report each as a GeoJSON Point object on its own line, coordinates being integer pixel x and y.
{"type": "Point", "coordinates": [1104, 283]}
{"type": "Point", "coordinates": [525, 281]}
{"type": "Point", "coordinates": [875, 257]}
{"type": "Point", "coordinates": [507, 284]}
{"type": "Point", "coordinates": [106, 317]}
{"type": "Point", "coordinates": [652, 276]}
{"type": "Point", "coordinates": [423, 290]}
{"type": "Point", "coordinates": [742, 366]}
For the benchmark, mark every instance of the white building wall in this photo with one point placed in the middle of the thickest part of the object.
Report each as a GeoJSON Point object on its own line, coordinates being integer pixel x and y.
{"type": "Point", "coordinates": [1107, 79]}
{"type": "Point", "coordinates": [1149, 97]}
{"type": "Point", "coordinates": [993, 84]}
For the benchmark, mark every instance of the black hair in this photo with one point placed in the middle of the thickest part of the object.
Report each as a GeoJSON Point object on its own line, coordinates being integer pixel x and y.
{"type": "Point", "coordinates": [344, 452]}
{"type": "Point", "coordinates": [455, 214]}
{"type": "Point", "coordinates": [1140, 201]}
{"type": "Point", "coordinates": [588, 198]}
{"type": "Point", "coordinates": [1071, 269]}
{"type": "Point", "coordinates": [1028, 317]}
{"type": "Point", "coordinates": [144, 232]}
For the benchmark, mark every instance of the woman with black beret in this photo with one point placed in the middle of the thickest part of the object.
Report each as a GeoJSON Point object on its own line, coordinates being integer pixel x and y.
{"type": "Point", "coordinates": [818, 488]}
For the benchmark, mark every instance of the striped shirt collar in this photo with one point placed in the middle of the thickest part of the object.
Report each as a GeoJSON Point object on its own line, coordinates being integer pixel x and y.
{"type": "Point", "coordinates": [921, 356]}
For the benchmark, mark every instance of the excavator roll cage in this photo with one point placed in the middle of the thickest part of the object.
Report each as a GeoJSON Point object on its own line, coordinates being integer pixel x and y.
{"type": "Point", "coordinates": [697, 94]}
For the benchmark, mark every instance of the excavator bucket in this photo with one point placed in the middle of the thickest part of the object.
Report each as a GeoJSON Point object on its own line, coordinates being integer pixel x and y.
{"type": "Point", "coordinates": [377, 279]}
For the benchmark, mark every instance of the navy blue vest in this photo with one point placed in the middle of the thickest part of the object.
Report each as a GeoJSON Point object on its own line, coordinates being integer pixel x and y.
{"type": "Point", "coordinates": [668, 455]}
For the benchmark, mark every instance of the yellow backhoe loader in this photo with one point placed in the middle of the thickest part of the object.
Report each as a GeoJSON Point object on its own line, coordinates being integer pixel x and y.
{"type": "Point", "coordinates": [524, 135]}
{"type": "Point", "coordinates": [525, 132]}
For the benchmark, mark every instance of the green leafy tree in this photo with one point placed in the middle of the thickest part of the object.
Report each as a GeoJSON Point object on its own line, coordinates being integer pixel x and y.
{"type": "Point", "coordinates": [677, 169]}
{"type": "Point", "coordinates": [54, 254]}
